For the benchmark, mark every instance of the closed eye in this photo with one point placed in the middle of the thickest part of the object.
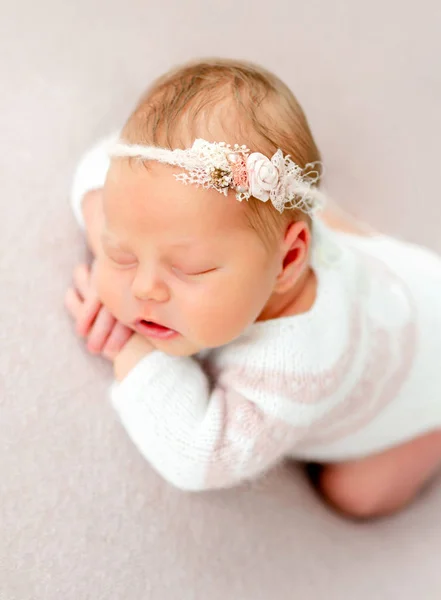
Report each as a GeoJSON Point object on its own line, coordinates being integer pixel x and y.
{"type": "Point", "coordinates": [202, 272]}
{"type": "Point", "coordinates": [122, 260]}
{"type": "Point", "coordinates": [198, 273]}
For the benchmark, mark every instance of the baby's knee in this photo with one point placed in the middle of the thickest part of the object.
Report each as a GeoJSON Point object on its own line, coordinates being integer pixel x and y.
{"type": "Point", "coordinates": [353, 497]}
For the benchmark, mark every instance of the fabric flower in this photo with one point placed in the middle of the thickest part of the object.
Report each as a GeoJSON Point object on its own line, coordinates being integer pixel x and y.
{"type": "Point", "coordinates": [239, 172]}
{"type": "Point", "coordinates": [262, 174]}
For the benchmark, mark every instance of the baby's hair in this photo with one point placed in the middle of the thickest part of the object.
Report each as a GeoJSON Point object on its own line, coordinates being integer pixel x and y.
{"type": "Point", "coordinates": [227, 101]}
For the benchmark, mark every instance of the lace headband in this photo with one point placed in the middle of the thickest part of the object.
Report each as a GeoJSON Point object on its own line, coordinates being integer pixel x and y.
{"type": "Point", "coordinates": [221, 166]}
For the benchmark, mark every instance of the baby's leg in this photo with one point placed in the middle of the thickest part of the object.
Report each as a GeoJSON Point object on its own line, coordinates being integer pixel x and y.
{"type": "Point", "coordinates": [381, 484]}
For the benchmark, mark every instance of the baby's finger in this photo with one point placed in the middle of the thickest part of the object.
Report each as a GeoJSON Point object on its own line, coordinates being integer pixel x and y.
{"type": "Point", "coordinates": [100, 331]}
{"type": "Point", "coordinates": [81, 278]}
{"type": "Point", "coordinates": [73, 302]}
{"type": "Point", "coordinates": [88, 315]}
{"type": "Point", "coordinates": [116, 340]}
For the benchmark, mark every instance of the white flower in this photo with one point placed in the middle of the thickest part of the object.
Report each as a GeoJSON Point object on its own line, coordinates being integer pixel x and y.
{"type": "Point", "coordinates": [262, 176]}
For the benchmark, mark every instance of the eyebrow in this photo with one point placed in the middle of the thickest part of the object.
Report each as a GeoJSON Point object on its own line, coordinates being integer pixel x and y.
{"type": "Point", "coordinates": [113, 241]}
{"type": "Point", "coordinates": [188, 242]}
{"type": "Point", "coordinates": [182, 244]}
{"type": "Point", "coordinates": [108, 237]}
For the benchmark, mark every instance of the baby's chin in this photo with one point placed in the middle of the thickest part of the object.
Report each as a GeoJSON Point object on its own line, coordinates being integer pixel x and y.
{"type": "Point", "coordinates": [183, 347]}
{"type": "Point", "coordinates": [180, 345]}
{"type": "Point", "coordinates": [177, 347]}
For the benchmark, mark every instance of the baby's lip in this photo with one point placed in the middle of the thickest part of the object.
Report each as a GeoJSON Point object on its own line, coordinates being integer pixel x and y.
{"type": "Point", "coordinates": [152, 321]}
{"type": "Point", "coordinates": [153, 329]}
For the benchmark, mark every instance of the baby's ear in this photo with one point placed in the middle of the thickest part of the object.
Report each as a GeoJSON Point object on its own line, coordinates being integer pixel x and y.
{"type": "Point", "coordinates": [295, 255]}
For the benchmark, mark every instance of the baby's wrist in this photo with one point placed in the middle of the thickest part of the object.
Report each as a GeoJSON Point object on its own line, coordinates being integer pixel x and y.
{"type": "Point", "coordinates": [132, 353]}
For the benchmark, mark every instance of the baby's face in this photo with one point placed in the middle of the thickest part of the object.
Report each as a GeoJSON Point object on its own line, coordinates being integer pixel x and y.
{"type": "Point", "coordinates": [180, 257]}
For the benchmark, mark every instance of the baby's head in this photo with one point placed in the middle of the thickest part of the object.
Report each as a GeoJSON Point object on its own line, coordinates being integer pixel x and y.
{"type": "Point", "coordinates": [187, 257]}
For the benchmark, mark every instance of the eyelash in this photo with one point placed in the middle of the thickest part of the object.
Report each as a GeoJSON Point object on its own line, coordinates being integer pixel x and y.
{"type": "Point", "coordinates": [175, 269]}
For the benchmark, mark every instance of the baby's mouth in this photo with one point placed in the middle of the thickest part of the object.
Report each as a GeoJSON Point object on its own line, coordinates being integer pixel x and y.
{"type": "Point", "coordinates": [154, 330]}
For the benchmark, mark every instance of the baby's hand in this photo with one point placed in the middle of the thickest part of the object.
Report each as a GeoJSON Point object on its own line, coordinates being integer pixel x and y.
{"type": "Point", "coordinates": [104, 334]}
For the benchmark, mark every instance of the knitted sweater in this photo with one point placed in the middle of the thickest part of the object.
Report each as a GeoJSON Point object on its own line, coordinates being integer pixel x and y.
{"type": "Point", "coordinates": [356, 374]}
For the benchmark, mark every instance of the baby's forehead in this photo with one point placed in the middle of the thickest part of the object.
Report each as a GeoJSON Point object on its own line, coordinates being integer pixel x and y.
{"type": "Point", "coordinates": [147, 194]}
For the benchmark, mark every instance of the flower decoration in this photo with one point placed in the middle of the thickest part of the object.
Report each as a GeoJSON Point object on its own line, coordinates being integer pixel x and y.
{"type": "Point", "coordinates": [263, 176]}
{"type": "Point", "coordinates": [222, 167]}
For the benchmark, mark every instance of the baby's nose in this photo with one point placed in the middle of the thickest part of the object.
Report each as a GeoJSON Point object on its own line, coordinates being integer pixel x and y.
{"type": "Point", "coordinates": [149, 287]}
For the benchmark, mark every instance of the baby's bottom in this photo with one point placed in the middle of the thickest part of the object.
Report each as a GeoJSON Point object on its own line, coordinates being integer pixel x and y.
{"type": "Point", "coordinates": [381, 484]}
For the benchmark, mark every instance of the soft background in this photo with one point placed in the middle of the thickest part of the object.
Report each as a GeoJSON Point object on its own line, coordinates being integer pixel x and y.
{"type": "Point", "coordinates": [82, 516]}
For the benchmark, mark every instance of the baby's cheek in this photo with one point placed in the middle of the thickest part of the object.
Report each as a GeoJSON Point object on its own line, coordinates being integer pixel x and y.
{"type": "Point", "coordinates": [220, 318]}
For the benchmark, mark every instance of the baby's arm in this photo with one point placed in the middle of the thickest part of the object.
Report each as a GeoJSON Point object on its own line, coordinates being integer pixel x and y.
{"type": "Point", "coordinates": [197, 435]}
{"type": "Point", "coordinates": [92, 210]}
{"type": "Point", "coordinates": [90, 175]}
{"type": "Point", "coordinates": [86, 194]}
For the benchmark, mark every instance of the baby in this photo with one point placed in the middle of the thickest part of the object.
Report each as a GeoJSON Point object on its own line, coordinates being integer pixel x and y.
{"type": "Point", "coordinates": [244, 325]}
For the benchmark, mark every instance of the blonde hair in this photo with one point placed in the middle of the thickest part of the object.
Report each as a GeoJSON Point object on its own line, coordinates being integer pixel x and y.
{"type": "Point", "coordinates": [237, 100]}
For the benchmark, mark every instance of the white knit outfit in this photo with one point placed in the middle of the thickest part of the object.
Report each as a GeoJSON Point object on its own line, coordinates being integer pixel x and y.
{"type": "Point", "coordinates": [358, 373]}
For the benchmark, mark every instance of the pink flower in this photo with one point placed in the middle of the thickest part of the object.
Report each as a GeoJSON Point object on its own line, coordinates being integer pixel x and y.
{"type": "Point", "coordinates": [239, 172]}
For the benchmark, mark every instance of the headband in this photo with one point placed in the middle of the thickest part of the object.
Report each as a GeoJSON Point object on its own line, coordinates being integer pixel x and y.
{"type": "Point", "coordinates": [221, 166]}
